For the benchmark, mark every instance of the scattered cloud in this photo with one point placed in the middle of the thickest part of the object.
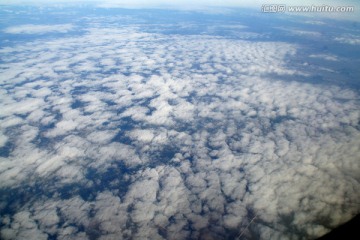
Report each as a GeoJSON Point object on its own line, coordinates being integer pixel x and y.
{"type": "Point", "coordinates": [348, 39]}
{"type": "Point", "coordinates": [128, 134]}
{"type": "Point", "coordinates": [327, 57]}
{"type": "Point", "coordinates": [315, 22]}
{"type": "Point", "coordinates": [39, 29]}
{"type": "Point", "coordinates": [300, 32]}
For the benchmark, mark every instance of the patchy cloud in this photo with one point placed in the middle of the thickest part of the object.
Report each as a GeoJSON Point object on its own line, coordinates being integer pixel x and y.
{"type": "Point", "coordinates": [327, 57]}
{"type": "Point", "coordinates": [119, 133]}
{"type": "Point", "coordinates": [39, 29]}
{"type": "Point", "coordinates": [348, 39]}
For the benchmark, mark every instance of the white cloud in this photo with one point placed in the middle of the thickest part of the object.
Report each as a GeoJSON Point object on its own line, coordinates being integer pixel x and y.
{"type": "Point", "coordinates": [348, 39]}
{"type": "Point", "coordinates": [210, 139]}
{"type": "Point", "coordinates": [23, 226]}
{"type": "Point", "coordinates": [39, 29]}
{"type": "Point", "coordinates": [300, 32]}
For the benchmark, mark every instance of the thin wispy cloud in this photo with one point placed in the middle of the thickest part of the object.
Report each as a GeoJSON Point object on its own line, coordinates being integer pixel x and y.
{"type": "Point", "coordinates": [39, 29]}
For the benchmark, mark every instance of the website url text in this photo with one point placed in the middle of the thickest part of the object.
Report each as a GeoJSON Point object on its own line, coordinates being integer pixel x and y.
{"type": "Point", "coordinates": [280, 8]}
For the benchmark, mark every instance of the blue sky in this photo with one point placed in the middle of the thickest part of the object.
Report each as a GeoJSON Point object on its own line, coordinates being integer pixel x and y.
{"type": "Point", "coordinates": [248, 3]}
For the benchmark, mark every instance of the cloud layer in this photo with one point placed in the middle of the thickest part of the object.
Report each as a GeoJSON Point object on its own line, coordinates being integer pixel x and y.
{"type": "Point", "coordinates": [120, 133]}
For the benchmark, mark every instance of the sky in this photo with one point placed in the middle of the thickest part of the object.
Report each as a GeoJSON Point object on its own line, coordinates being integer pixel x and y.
{"type": "Point", "coordinates": [231, 3]}
{"type": "Point", "coordinates": [208, 5]}
{"type": "Point", "coordinates": [120, 124]}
